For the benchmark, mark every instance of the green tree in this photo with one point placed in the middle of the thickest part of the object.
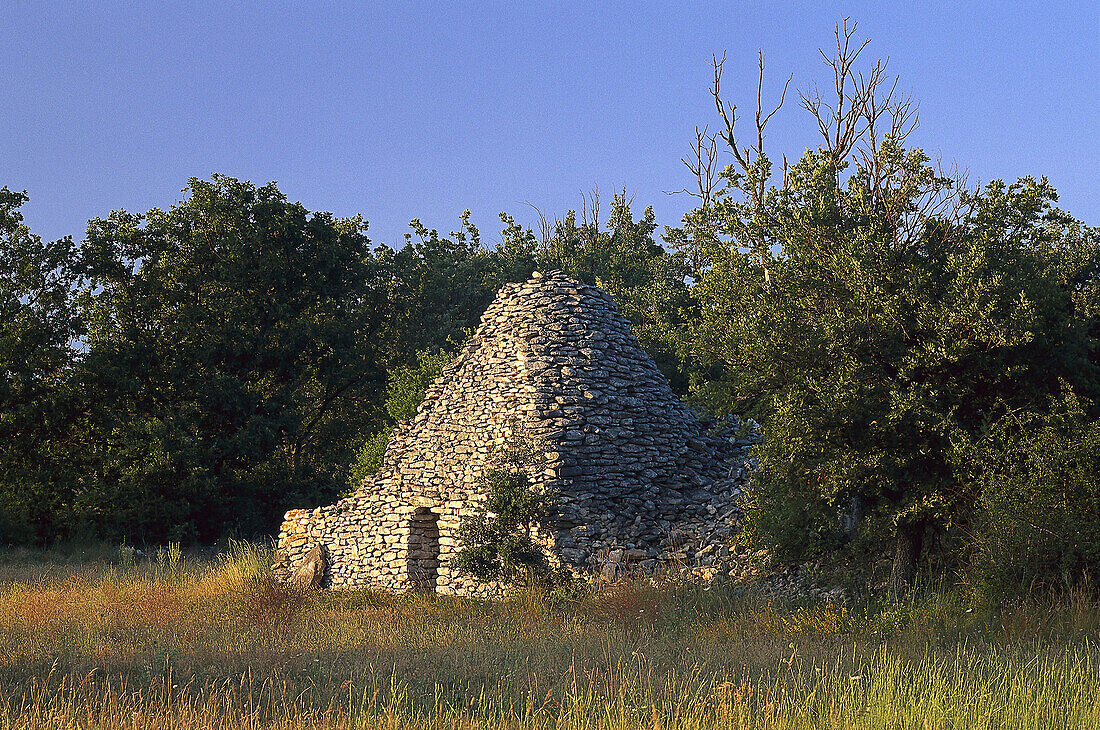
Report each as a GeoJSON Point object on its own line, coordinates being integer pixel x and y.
{"type": "Point", "coordinates": [442, 285]}
{"type": "Point", "coordinates": [232, 347]}
{"type": "Point", "coordinates": [876, 318]}
{"type": "Point", "coordinates": [498, 541]}
{"type": "Point", "coordinates": [38, 327]}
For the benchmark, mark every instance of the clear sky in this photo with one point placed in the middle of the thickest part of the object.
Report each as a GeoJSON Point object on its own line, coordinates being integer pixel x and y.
{"type": "Point", "coordinates": [399, 110]}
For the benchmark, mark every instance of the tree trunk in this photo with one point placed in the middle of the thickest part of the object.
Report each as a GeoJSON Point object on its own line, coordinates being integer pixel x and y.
{"type": "Point", "coordinates": [910, 539]}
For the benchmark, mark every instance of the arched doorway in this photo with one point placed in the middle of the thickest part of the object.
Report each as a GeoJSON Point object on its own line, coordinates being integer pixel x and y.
{"type": "Point", "coordinates": [423, 557]}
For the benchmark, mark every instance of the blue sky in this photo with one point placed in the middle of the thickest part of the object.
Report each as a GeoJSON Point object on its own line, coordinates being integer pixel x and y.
{"type": "Point", "coordinates": [403, 110]}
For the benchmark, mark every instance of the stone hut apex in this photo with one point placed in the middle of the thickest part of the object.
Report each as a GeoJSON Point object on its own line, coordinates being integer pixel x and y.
{"type": "Point", "coordinates": [639, 481]}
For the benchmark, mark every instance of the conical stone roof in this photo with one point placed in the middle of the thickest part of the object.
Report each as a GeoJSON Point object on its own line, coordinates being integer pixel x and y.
{"type": "Point", "coordinates": [638, 480]}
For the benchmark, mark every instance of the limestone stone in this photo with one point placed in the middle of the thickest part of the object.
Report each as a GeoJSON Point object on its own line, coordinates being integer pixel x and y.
{"type": "Point", "coordinates": [637, 478]}
{"type": "Point", "coordinates": [311, 569]}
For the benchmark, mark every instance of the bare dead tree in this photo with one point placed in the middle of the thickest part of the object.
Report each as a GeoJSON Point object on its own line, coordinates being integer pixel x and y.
{"type": "Point", "coordinates": [622, 197]}
{"type": "Point", "coordinates": [546, 227]}
{"type": "Point", "coordinates": [590, 209]}
{"type": "Point", "coordinates": [854, 118]}
{"type": "Point", "coordinates": [900, 113]}
{"type": "Point", "coordinates": [863, 109]}
{"type": "Point", "coordinates": [703, 166]}
{"type": "Point", "coordinates": [841, 119]}
{"type": "Point", "coordinates": [746, 156]}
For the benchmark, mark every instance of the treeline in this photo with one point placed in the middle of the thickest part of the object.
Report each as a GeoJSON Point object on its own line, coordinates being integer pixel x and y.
{"type": "Point", "coordinates": [192, 373]}
{"type": "Point", "coordinates": [922, 356]}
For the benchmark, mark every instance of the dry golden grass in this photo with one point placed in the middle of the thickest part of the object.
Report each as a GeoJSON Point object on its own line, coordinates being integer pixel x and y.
{"type": "Point", "coordinates": [88, 642]}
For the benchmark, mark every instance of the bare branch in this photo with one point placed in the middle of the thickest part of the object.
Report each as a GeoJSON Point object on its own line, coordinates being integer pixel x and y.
{"type": "Point", "coordinates": [728, 112]}
{"type": "Point", "coordinates": [590, 209]}
{"type": "Point", "coordinates": [782, 97]}
{"type": "Point", "coordinates": [546, 228]}
{"type": "Point", "coordinates": [762, 119]}
{"type": "Point", "coordinates": [747, 157]}
{"type": "Point", "coordinates": [703, 165]}
{"type": "Point", "coordinates": [843, 124]}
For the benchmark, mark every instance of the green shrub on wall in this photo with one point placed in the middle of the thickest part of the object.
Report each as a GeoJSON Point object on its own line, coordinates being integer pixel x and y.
{"type": "Point", "coordinates": [498, 540]}
{"type": "Point", "coordinates": [404, 394]}
{"type": "Point", "coordinates": [369, 459]}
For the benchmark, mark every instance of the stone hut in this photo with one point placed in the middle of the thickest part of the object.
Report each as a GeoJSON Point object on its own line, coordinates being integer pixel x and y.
{"type": "Point", "coordinates": [640, 484]}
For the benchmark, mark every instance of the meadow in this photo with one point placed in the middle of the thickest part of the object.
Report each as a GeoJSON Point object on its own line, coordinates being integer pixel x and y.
{"type": "Point", "coordinates": [94, 637]}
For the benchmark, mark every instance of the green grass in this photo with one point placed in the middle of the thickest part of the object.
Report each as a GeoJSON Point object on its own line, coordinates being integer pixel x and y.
{"type": "Point", "coordinates": [95, 641]}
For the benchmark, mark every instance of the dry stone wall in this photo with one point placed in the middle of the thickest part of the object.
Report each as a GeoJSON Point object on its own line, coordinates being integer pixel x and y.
{"type": "Point", "coordinates": [641, 485]}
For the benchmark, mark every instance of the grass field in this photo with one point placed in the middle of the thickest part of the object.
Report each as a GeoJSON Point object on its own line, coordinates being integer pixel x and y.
{"type": "Point", "coordinates": [91, 640]}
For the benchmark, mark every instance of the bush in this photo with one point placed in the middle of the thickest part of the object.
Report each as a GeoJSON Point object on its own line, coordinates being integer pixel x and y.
{"type": "Point", "coordinates": [369, 459]}
{"type": "Point", "coordinates": [407, 385]}
{"type": "Point", "coordinates": [1038, 517]}
{"type": "Point", "coordinates": [404, 394]}
{"type": "Point", "coordinates": [498, 541]}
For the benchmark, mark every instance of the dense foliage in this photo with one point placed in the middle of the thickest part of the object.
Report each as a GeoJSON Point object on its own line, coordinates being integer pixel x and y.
{"type": "Point", "coordinates": [190, 373]}
{"type": "Point", "coordinates": [880, 320]}
{"type": "Point", "coordinates": [37, 326]}
{"type": "Point", "coordinates": [1039, 498]}
{"type": "Point", "coordinates": [232, 341]}
{"type": "Point", "coordinates": [404, 393]}
{"type": "Point", "coordinates": [876, 357]}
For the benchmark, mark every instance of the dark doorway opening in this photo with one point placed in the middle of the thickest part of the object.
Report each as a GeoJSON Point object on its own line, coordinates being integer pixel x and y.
{"type": "Point", "coordinates": [423, 558]}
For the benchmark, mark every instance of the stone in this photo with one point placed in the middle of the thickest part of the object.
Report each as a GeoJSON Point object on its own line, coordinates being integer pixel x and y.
{"type": "Point", "coordinates": [636, 475]}
{"type": "Point", "coordinates": [311, 569]}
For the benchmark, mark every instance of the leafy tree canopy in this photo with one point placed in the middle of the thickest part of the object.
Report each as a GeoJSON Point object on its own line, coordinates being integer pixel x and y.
{"type": "Point", "coordinates": [877, 317]}
{"type": "Point", "coordinates": [232, 341]}
{"type": "Point", "coordinates": [38, 328]}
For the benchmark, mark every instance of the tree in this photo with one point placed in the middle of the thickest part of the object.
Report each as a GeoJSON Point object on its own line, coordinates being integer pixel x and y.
{"type": "Point", "coordinates": [232, 346]}
{"type": "Point", "coordinates": [442, 285]}
{"type": "Point", "coordinates": [498, 541]}
{"type": "Point", "coordinates": [875, 316]}
{"type": "Point", "coordinates": [38, 326]}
